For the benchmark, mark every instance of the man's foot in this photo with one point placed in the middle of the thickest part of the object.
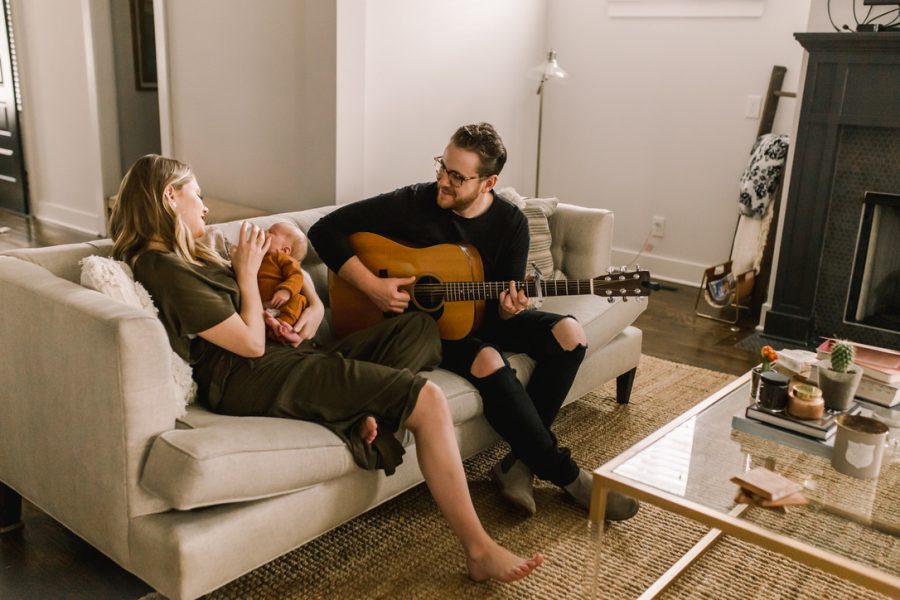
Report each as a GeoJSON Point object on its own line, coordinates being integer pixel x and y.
{"type": "Point", "coordinates": [368, 430]}
{"type": "Point", "coordinates": [500, 564]}
{"type": "Point", "coordinates": [516, 485]}
{"type": "Point", "coordinates": [619, 507]}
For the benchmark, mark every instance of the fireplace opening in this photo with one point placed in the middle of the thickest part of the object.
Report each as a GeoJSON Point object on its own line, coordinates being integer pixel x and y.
{"type": "Point", "coordinates": [874, 298]}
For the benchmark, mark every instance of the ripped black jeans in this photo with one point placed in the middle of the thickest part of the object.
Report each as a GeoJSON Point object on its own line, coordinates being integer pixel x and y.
{"type": "Point", "coordinates": [523, 415]}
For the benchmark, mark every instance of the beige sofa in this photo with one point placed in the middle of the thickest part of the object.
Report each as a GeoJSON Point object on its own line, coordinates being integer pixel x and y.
{"type": "Point", "coordinates": [88, 432]}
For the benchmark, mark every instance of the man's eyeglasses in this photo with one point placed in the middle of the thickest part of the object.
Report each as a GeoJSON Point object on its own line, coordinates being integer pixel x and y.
{"type": "Point", "coordinates": [455, 177]}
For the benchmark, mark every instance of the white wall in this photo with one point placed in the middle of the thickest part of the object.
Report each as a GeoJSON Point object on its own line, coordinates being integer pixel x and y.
{"type": "Point", "coordinates": [69, 131]}
{"type": "Point", "coordinates": [251, 98]}
{"type": "Point", "coordinates": [431, 66]}
{"type": "Point", "coordinates": [651, 122]}
{"type": "Point", "coordinates": [138, 110]}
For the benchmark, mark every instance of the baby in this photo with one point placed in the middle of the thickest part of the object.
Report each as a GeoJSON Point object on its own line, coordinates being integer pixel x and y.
{"type": "Point", "coordinates": [280, 281]}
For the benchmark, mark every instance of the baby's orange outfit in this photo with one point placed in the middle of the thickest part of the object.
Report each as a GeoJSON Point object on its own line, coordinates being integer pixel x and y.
{"type": "Point", "coordinates": [282, 271]}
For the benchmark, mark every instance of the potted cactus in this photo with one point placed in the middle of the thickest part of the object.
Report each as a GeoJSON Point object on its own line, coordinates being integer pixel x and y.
{"type": "Point", "coordinates": [839, 377]}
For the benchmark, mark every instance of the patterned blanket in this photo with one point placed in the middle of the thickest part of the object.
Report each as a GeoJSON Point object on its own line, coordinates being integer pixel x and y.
{"type": "Point", "coordinates": [763, 174]}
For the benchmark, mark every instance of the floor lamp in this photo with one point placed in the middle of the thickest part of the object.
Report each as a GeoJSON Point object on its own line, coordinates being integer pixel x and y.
{"type": "Point", "coordinates": [545, 71]}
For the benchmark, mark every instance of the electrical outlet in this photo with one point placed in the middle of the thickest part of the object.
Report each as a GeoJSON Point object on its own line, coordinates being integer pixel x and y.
{"type": "Point", "coordinates": [658, 227]}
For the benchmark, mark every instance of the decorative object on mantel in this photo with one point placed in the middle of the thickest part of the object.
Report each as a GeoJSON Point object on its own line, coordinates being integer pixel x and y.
{"type": "Point", "coordinates": [547, 70]}
{"type": "Point", "coordinates": [839, 378]}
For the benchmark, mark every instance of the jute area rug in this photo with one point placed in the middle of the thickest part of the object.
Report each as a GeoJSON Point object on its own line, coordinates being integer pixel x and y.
{"type": "Point", "coordinates": [404, 548]}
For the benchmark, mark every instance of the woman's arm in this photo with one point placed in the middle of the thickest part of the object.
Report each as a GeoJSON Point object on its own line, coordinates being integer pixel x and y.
{"type": "Point", "coordinates": [244, 333]}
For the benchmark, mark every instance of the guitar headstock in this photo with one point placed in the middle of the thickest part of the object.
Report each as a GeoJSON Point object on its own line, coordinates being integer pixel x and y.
{"type": "Point", "coordinates": [623, 283]}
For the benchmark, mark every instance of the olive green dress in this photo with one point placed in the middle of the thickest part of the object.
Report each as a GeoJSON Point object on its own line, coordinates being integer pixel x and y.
{"type": "Point", "coordinates": [371, 372]}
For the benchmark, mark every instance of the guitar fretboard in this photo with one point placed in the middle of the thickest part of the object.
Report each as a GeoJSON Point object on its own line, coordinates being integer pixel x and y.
{"type": "Point", "coordinates": [491, 290]}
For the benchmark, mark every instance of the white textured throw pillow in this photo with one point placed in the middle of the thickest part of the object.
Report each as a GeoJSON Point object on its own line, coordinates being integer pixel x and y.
{"type": "Point", "coordinates": [113, 278]}
{"type": "Point", "coordinates": [537, 211]}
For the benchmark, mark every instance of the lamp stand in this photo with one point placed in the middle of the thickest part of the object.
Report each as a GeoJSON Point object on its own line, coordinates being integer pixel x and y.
{"type": "Point", "coordinates": [537, 169]}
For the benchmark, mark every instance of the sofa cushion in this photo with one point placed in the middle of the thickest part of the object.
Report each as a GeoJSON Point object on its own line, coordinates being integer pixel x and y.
{"type": "Point", "coordinates": [537, 211]}
{"type": "Point", "coordinates": [224, 459]}
{"type": "Point", "coordinates": [216, 459]}
{"type": "Point", "coordinates": [616, 316]}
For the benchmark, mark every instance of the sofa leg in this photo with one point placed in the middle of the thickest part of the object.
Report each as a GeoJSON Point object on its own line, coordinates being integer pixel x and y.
{"type": "Point", "coordinates": [10, 509]}
{"type": "Point", "coordinates": [623, 386]}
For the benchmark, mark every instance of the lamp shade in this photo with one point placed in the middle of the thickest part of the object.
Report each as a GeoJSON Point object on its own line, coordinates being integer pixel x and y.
{"type": "Point", "coordinates": [549, 69]}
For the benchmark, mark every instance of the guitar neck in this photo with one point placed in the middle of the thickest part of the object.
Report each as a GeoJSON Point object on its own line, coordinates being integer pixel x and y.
{"type": "Point", "coordinates": [491, 290]}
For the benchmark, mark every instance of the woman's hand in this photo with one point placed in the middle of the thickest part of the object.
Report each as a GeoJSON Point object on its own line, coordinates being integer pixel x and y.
{"type": "Point", "coordinates": [310, 319]}
{"type": "Point", "coordinates": [247, 254]}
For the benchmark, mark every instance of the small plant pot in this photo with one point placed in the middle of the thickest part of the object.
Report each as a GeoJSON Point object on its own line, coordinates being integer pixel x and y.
{"type": "Point", "coordinates": [838, 389]}
{"type": "Point", "coordinates": [755, 374]}
{"type": "Point", "coordinates": [754, 382]}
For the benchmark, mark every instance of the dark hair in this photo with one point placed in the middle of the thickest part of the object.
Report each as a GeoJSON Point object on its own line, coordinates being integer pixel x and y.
{"type": "Point", "coordinates": [482, 139]}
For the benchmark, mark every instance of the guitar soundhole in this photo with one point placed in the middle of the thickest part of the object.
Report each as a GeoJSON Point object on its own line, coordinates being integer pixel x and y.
{"type": "Point", "coordinates": [427, 293]}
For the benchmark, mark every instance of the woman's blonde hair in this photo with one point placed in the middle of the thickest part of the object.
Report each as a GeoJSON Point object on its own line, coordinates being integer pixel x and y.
{"type": "Point", "coordinates": [141, 215]}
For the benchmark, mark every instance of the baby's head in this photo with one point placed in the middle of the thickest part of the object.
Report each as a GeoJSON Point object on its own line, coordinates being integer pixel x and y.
{"type": "Point", "coordinates": [287, 237]}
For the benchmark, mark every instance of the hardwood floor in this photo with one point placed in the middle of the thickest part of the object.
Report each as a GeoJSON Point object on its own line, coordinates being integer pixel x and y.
{"type": "Point", "coordinates": [24, 232]}
{"type": "Point", "coordinates": [45, 560]}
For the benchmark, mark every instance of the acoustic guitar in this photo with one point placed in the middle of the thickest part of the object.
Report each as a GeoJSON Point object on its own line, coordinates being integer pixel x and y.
{"type": "Point", "coordinates": [450, 285]}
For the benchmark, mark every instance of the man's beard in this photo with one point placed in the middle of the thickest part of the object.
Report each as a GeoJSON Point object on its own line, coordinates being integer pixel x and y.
{"type": "Point", "coordinates": [456, 202]}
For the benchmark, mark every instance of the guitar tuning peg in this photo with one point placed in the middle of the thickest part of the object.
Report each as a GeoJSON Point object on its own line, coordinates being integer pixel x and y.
{"type": "Point", "coordinates": [624, 298]}
{"type": "Point", "coordinates": [637, 268]}
{"type": "Point", "coordinates": [610, 270]}
{"type": "Point", "coordinates": [610, 299]}
{"type": "Point", "coordinates": [623, 269]}
{"type": "Point", "coordinates": [641, 299]}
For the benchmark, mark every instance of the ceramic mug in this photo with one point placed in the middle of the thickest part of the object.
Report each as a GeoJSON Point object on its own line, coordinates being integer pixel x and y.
{"type": "Point", "coordinates": [859, 446]}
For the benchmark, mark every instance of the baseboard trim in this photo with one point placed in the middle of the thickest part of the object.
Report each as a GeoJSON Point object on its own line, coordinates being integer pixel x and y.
{"type": "Point", "coordinates": [68, 217]}
{"type": "Point", "coordinates": [662, 267]}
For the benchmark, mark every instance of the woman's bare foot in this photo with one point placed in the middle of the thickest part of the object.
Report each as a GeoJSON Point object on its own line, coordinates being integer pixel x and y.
{"type": "Point", "coordinates": [368, 430]}
{"type": "Point", "coordinates": [500, 564]}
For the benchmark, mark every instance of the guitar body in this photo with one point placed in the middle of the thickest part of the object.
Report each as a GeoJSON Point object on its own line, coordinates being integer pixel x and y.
{"type": "Point", "coordinates": [351, 310]}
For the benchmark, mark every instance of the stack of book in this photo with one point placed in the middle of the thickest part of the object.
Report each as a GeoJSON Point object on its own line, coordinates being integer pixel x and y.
{"type": "Point", "coordinates": [814, 436]}
{"type": "Point", "coordinates": [762, 487]}
{"type": "Point", "coordinates": [880, 383]}
{"type": "Point", "coordinates": [822, 428]}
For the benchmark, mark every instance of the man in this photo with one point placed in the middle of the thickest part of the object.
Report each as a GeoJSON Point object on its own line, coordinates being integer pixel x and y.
{"type": "Point", "coordinates": [461, 207]}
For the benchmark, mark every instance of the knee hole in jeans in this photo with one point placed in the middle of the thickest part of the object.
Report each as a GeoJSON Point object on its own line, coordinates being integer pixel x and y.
{"type": "Point", "coordinates": [569, 334]}
{"type": "Point", "coordinates": [487, 362]}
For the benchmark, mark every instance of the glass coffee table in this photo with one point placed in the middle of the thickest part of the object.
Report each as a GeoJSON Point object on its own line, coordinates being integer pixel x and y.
{"type": "Point", "coordinates": [850, 527]}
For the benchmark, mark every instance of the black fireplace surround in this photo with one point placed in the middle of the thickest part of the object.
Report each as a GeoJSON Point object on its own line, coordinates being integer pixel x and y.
{"type": "Point", "coordinates": [847, 144]}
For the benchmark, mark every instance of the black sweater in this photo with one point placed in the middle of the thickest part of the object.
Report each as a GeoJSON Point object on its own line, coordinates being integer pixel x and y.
{"type": "Point", "coordinates": [411, 214]}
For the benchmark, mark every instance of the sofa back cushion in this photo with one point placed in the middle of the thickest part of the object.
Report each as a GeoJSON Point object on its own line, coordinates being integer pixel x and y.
{"type": "Point", "coordinates": [63, 260]}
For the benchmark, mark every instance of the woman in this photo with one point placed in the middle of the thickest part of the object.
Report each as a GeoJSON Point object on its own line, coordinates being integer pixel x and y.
{"type": "Point", "coordinates": [363, 388]}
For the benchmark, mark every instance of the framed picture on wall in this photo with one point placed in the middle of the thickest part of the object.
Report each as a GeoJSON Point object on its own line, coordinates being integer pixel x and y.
{"type": "Point", "coordinates": [144, 43]}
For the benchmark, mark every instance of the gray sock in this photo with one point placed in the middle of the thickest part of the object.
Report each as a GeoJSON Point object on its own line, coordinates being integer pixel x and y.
{"type": "Point", "coordinates": [580, 489]}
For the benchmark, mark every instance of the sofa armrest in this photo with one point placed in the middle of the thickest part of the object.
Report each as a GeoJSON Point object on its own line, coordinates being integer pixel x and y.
{"type": "Point", "coordinates": [87, 386]}
{"type": "Point", "coordinates": [581, 240]}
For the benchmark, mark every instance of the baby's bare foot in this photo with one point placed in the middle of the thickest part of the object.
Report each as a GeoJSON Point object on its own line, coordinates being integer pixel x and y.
{"type": "Point", "coordinates": [502, 565]}
{"type": "Point", "coordinates": [368, 430]}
